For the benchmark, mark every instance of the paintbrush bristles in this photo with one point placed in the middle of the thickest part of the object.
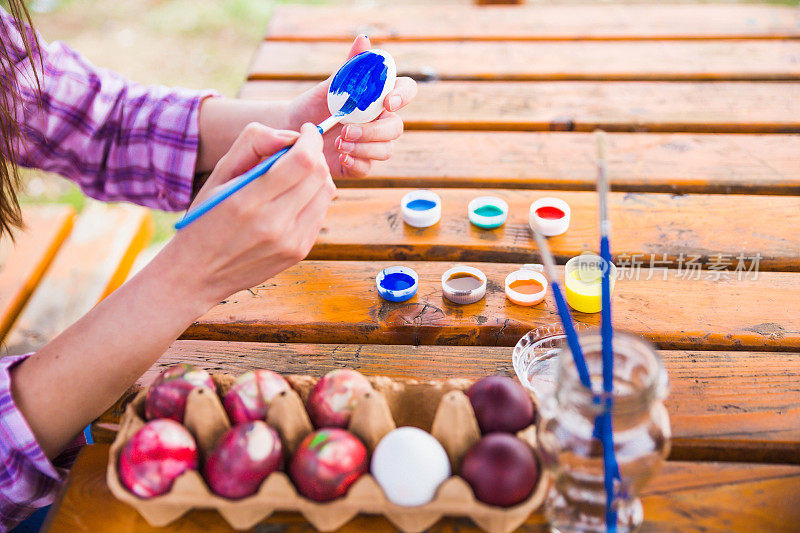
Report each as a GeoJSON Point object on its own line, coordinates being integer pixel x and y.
{"type": "Point", "coordinates": [547, 257]}
{"type": "Point", "coordinates": [602, 181]}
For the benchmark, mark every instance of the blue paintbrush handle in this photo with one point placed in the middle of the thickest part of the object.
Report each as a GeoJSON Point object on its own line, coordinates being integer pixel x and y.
{"type": "Point", "coordinates": [571, 334]}
{"type": "Point", "coordinates": [230, 188]}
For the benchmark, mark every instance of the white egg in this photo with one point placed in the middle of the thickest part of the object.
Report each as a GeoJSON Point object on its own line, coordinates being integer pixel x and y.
{"type": "Point", "coordinates": [409, 465]}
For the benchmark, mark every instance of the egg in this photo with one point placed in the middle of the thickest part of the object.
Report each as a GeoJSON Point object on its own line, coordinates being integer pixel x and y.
{"type": "Point", "coordinates": [409, 464]}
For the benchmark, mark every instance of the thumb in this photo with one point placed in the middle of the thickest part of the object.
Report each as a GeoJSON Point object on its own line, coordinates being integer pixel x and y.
{"type": "Point", "coordinates": [254, 144]}
{"type": "Point", "coordinates": [361, 44]}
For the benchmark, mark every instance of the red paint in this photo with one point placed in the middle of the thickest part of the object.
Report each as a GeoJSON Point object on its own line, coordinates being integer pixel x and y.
{"type": "Point", "coordinates": [548, 212]}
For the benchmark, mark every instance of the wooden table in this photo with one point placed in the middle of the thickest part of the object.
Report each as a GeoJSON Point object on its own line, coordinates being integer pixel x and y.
{"type": "Point", "coordinates": [704, 159]}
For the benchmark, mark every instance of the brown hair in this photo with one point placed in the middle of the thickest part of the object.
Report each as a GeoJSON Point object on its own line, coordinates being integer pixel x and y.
{"type": "Point", "coordinates": [10, 216]}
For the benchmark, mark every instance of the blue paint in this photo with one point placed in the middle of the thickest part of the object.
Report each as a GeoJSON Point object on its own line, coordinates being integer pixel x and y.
{"type": "Point", "coordinates": [397, 281]}
{"type": "Point", "coordinates": [397, 284]}
{"type": "Point", "coordinates": [421, 205]}
{"type": "Point", "coordinates": [362, 78]}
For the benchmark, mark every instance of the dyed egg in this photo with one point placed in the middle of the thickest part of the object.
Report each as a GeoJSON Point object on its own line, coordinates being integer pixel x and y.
{"type": "Point", "coordinates": [243, 458]}
{"type": "Point", "coordinates": [327, 462]}
{"type": "Point", "coordinates": [501, 404]}
{"type": "Point", "coordinates": [166, 397]}
{"type": "Point", "coordinates": [409, 464]}
{"type": "Point", "coordinates": [501, 469]}
{"type": "Point", "coordinates": [155, 456]}
{"type": "Point", "coordinates": [250, 396]}
{"type": "Point", "coordinates": [334, 397]}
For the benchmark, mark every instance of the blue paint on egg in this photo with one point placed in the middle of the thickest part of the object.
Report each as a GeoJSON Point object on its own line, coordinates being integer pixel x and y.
{"type": "Point", "coordinates": [362, 78]}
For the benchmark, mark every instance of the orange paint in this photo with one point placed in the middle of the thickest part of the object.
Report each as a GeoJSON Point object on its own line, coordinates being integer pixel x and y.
{"type": "Point", "coordinates": [526, 286]}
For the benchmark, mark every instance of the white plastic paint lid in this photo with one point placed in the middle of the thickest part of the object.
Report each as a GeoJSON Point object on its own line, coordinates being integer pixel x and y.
{"type": "Point", "coordinates": [498, 207]}
{"type": "Point", "coordinates": [463, 296]}
{"type": "Point", "coordinates": [527, 272]}
{"type": "Point", "coordinates": [421, 208]}
{"type": "Point", "coordinates": [549, 216]}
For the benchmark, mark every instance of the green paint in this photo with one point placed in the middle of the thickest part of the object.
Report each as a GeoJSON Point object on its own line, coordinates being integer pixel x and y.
{"type": "Point", "coordinates": [320, 438]}
{"type": "Point", "coordinates": [488, 211]}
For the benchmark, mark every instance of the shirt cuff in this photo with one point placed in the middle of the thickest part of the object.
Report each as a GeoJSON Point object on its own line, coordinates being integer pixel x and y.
{"type": "Point", "coordinates": [176, 166]}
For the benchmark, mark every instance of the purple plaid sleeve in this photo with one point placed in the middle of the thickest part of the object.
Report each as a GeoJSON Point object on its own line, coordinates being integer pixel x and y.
{"type": "Point", "coordinates": [28, 480]}
{"type": "Point", "coordinates": [116, 139]}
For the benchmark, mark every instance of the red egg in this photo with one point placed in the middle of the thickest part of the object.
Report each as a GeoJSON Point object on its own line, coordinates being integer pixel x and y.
{"type": "Point", "coordinates": [327, 462]}
{"type": "Point", "coordinates": [333, 399]}
{"type": "Point", "coordinates": [167, 395]}
{"type": "Point", "coordinates": [501, 404]}
{"type": "Point", "coordinates": [250, 396]}
{"type": "Point", "coordinates": [155, 456]}
{"type": "Point", "coordinates": [243, 458]}
{"type": "Point", "coordinates": [501, 469]}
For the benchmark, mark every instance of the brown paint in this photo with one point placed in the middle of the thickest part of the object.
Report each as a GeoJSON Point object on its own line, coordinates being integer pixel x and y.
{"type": "Point", "coordinates": [526, 286]}
{"type": "Point", "coordinates": [463, 281]}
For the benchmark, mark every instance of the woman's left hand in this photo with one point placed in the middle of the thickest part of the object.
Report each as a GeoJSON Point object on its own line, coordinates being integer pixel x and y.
{"type": "Point", "coordinates": [351, 149]}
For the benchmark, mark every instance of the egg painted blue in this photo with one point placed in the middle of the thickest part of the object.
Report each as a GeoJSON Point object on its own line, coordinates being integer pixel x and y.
{"type": "Point", "coordinates": [362, 78]}
{"type": "Point", "coordinates": [421, 205]}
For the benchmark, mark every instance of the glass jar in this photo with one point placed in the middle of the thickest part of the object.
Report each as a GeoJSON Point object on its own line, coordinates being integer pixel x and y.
{"type": "Point", "coordinates": [574, 456]}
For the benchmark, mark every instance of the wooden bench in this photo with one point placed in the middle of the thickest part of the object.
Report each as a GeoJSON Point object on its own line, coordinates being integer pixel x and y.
{"type": "Point", "coordinates": [56, 272]}
{"type": "Point", "coordinates": [701, 104]}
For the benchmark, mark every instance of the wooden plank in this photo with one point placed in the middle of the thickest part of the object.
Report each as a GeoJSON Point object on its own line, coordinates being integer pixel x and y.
{"type": "Point", "coordinates": [536, 61]}
{"type": "Point", "coordinates": [699, 107]}
{"type": "Point", "coordinates": [92, 263]}
{"type": "Point", "coordinates": [366, 224]}
{"type": "Point", "coordinates": [337, 302]}
{"type": "Point", "coordinates": [584, 21]}
{"type": "Point", "coordinates": [733, 406]}
{"type": "Point", "coordinates": [681, 497]}
{"type": "Point", "coordinates": [25, 260]}
{"type": "Point", "coordinates": [676, 163]}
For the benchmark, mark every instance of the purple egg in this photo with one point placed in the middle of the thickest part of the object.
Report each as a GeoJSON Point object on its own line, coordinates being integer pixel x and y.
{"type": "Point", "coordinates": [167, 396]}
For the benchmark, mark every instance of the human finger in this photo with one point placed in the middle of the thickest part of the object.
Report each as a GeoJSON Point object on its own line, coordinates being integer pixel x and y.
{"type": "Point", "coordinates": [405, 89]}
{"type": "Point", "coordinates": [378, 151]}
{"type": "Point", "coordinates": [387, 127]}
{"type": "Point", "coordinates": [355, 166]}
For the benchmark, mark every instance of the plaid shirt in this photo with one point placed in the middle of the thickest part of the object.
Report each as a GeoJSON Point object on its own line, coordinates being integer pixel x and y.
{"type": "Point", "coordinates": [118, 141]}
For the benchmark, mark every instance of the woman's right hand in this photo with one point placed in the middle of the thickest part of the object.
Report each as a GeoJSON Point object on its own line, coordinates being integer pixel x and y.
{"type": "Point", "coordinates": [266, 227]}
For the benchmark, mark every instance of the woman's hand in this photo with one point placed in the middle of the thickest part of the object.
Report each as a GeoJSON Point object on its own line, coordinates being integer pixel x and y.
{"type": "Point", "coordinates": [265, 228]}
{"type": "Point", "coordinates": [350, 149]}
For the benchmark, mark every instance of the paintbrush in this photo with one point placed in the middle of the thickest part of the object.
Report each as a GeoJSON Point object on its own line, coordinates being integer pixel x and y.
{"type": "Point", "coordinates": [563, 311]}
{"type": "Point", "coordinates": [355, 95]}
{"type": "Point", "coordinates": [611, 468]}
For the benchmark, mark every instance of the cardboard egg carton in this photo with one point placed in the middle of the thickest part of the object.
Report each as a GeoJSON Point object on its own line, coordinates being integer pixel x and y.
{"type": "Point", "coordinates": [441, 408]}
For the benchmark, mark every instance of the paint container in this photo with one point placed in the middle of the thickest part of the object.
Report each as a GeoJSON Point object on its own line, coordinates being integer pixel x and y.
{"type": "Point", "coordinates": [549, 216]}
{"type": "Point", "coordinates": [488, 212]}
{"type": "Point", "coordinates": [582, 280]}
{"type": "Point", "coordinates": [527, 286]}
{"type": "Point", "coordinates": [463, 284]}
{"type": "Point", "coordinates": [421, 209]}
{"type": "Point", "coordinates": [397, 283]}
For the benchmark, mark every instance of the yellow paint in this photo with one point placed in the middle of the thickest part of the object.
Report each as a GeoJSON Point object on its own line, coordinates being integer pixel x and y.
{"type": "Point", "coordinates": [584, 290]}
